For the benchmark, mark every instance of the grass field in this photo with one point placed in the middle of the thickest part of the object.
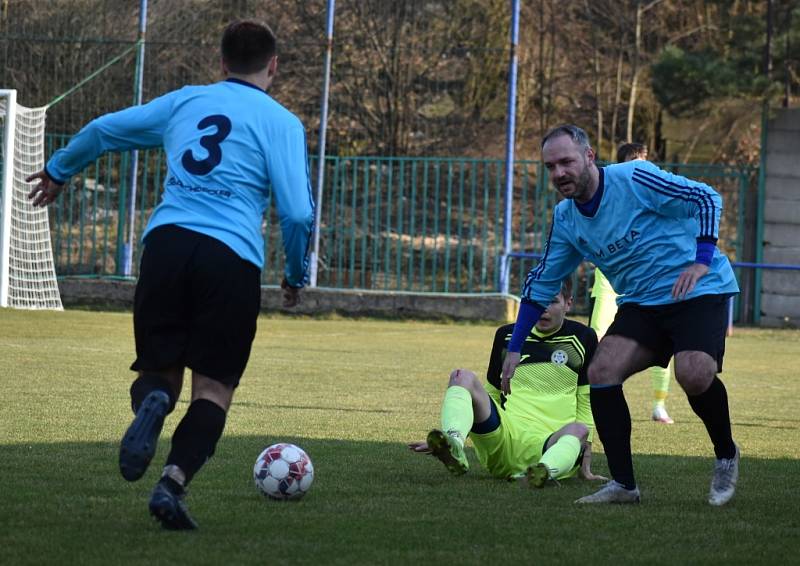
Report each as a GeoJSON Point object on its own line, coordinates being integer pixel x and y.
{"type": "Point", "coordinates": [351, 393]}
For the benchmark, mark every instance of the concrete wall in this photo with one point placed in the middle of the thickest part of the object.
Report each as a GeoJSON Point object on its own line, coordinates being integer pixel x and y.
{"type": "Point", "coordinates": [780, 291]}
{"type": "Point", "coordinates": [103, 293]}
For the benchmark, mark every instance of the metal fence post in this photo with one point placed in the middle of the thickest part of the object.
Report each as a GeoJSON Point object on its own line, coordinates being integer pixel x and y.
{"type": "Point", "coordinates": [137, 100]}
{"type": "Point", "coordinates": [510, 132]}
{"type": "Point", "coordinates": [762, 179]}
{"type": "Point", "coordinates": [323, 127]}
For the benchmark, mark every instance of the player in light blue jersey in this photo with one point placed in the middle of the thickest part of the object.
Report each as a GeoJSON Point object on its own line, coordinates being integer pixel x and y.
{"type": "Point", "coordinates": [654, 236]}
{"type": "Point", "coordinates": [198, 295]}
{"type": "Point", "coordinates": [604, 307]}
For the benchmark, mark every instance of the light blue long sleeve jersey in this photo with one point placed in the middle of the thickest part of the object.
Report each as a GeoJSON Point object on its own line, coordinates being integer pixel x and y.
{"type": "Point", "coordinates": [226, 144]}
{"type": "Point", "coordinates": [643, 235]}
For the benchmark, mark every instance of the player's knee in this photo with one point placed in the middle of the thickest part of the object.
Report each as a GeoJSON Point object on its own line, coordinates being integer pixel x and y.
{"type": "Point", "coordinates": [694, 384]}
{"type": "Point", "coordinates": [463, 377]}
{"type": "Point", "coordinates": [578, 430]}
{"type": "Point", "coordinates": [204, 387]}
{"type": "Point", "coordinates": [600, 372]}
{"type": "Point", "coordinates": [694, 371]}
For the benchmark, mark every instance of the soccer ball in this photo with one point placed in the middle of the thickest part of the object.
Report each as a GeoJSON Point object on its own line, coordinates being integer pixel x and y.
{"type": "Point", "coordinates": [283, 471]}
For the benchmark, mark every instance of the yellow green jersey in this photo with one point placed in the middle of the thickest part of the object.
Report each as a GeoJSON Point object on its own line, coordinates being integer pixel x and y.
{"type": "Point", "coordinates": [550, 389]}
{"type": "Point", "coordinates": [605, 304]}
{"type": "Point", "coordinates": [602, 287]}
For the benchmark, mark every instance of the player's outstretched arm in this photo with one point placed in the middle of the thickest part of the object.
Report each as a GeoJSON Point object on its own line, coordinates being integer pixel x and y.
{"type": "Point", "coordinates": [510, 364]}
{"type": "Point", "coordinates": [586, 465]}
{"type": "Point", "coordinates": [135, 127]}
{"type": "Point", "coordinates": [542, 283]}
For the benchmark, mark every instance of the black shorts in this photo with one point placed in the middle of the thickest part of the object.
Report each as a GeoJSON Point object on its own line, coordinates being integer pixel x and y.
{"type": "Point", "coordinates": [699, 324]}
{"type": "Point", "coordinates": [196, 305]}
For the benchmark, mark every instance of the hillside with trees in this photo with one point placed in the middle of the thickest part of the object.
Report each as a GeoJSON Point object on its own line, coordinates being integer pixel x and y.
{"type": "Point", "coordinates": [429, 77]}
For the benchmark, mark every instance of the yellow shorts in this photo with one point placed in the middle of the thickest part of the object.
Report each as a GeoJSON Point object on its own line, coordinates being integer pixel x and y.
{"type": "Point", "coordinates": [511, 448]}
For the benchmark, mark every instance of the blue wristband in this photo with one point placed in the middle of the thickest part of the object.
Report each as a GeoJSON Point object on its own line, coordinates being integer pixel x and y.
{"type": "Point", "coordinates": [705, 252]}
{"type": "Point", "coordinates": [529, 314]}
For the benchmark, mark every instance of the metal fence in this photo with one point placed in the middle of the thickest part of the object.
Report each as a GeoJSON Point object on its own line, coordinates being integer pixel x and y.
{"type": "Point", "coordinates": [418, 224]}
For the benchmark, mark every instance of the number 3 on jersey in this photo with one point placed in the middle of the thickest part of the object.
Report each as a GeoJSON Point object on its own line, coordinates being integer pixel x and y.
{"type": "Point", "coordinates": [210, 143]}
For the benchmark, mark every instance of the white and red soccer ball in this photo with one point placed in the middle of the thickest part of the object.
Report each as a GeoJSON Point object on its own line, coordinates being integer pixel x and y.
{"type": "Point", "coordinates": [283, 471]}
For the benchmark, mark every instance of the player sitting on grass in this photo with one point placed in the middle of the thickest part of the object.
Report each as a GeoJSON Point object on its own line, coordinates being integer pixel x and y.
{"type": "Point", "coordinates": [545, 428]}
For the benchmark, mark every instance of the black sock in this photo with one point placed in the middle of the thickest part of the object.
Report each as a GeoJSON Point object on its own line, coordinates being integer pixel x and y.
{"type": "Point", "coordinates": [613, 421]}
{"type": "Point", "coordinates": [196, 437]}
{"type": "Point", "coordinates": [712, 408]}
{"type": "Point", "coordinates": [145, 384]}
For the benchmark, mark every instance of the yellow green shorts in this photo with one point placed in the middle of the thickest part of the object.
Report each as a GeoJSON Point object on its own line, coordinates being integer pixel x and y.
{"type": "Point", "coordinates": [511, 448]}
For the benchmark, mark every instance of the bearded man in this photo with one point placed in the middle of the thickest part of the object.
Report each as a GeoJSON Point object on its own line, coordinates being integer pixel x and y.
{"type": "Point", "coordinates": [654, 236]}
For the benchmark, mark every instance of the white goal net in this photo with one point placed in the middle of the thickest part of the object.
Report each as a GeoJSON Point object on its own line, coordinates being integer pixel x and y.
{"type": "Point", "coordinates": [27, 274]}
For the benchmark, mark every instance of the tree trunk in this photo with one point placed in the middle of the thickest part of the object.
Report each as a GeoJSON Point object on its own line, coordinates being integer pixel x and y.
{"type": "Point", "coordinates": [697, 134]}
{"type": "Point", "coordinates": [598, 90]}
{"type": "Point", "coordinates": [541, 70]}
{"type": "Point", "coordinates": [617, 94]}
{"type": "Point", "coordinates": [635, 78]}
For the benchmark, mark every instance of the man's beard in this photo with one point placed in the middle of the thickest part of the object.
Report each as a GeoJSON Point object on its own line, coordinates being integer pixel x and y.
{"type": "Point", "coordinates": [582, 183]}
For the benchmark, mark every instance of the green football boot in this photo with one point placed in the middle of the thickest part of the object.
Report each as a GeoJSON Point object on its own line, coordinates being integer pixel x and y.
{"type": "Point", "coordinates": [449, 451]}
{"type": "Point", "coordinates": [538, 476]}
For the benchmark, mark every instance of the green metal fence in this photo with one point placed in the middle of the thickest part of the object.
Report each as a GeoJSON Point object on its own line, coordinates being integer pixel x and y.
{"type": "Point", "coordinates": [412, 224]}
{"type": "Point", "coordinates": [388, 223]}
{"type": "Point", "coordinates": [534, 203]}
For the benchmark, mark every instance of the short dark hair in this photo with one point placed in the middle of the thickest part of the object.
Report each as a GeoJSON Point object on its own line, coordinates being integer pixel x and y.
{"type": "Point", "coordinates": [576, 134]}
{"type": "Point", "coordinates": [247, 46]}
{"type": "Point", "coordinates": [629, 151]}
{"type": "Point", "coordinates": [566, 288]}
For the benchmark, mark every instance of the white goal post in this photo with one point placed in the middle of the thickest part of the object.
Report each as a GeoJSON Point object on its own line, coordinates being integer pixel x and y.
{"type": "Point", "coordinates": [27, 273]}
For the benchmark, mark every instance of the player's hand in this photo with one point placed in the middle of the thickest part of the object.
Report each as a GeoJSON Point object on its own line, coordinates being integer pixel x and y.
{"type": "Point", "coordinates": [509, 365]}
{"type": "Point", "coordinates": [586, 465]}
{"type": "Point", "coordinates": [588, 475]}
{"type": "Point", "coordinates": [687, 280]}
{"type": "Point", "coordinates": [421, 447]}
{"type": "Point", "coordinates": [45, 191]}
{"type": "Point", "coordinates": [291, 295]}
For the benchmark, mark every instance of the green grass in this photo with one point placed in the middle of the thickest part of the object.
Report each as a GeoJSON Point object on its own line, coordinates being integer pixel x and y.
{"type": "Point", "coordinates": [352, 392]}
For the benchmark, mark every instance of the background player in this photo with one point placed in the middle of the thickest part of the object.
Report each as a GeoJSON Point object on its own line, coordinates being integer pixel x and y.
{"type": "Point", "coordinates": [633, 221]}
{"type": "Point", "coordinates": [198, 294]}
{"type": "Point", "coordinates": [604, 307]}
{"type": "Point", "coordinates": [545, 426]}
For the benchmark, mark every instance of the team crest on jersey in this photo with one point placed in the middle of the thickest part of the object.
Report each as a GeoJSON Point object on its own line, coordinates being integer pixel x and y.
{"type": "Point", "coordinates": [559, 357]}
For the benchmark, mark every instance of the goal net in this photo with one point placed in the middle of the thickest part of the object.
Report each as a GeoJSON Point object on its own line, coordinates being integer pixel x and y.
{"type": "Point", "coordinates": [27, 274]}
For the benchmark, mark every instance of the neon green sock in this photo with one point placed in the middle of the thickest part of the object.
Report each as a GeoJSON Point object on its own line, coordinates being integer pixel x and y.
{"type": "Point", "coordinates": [560, 457]}
{"type": "Point", "coordinates": [660, 379]}
{"type": "Point", "coordinates": [457, 413]}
